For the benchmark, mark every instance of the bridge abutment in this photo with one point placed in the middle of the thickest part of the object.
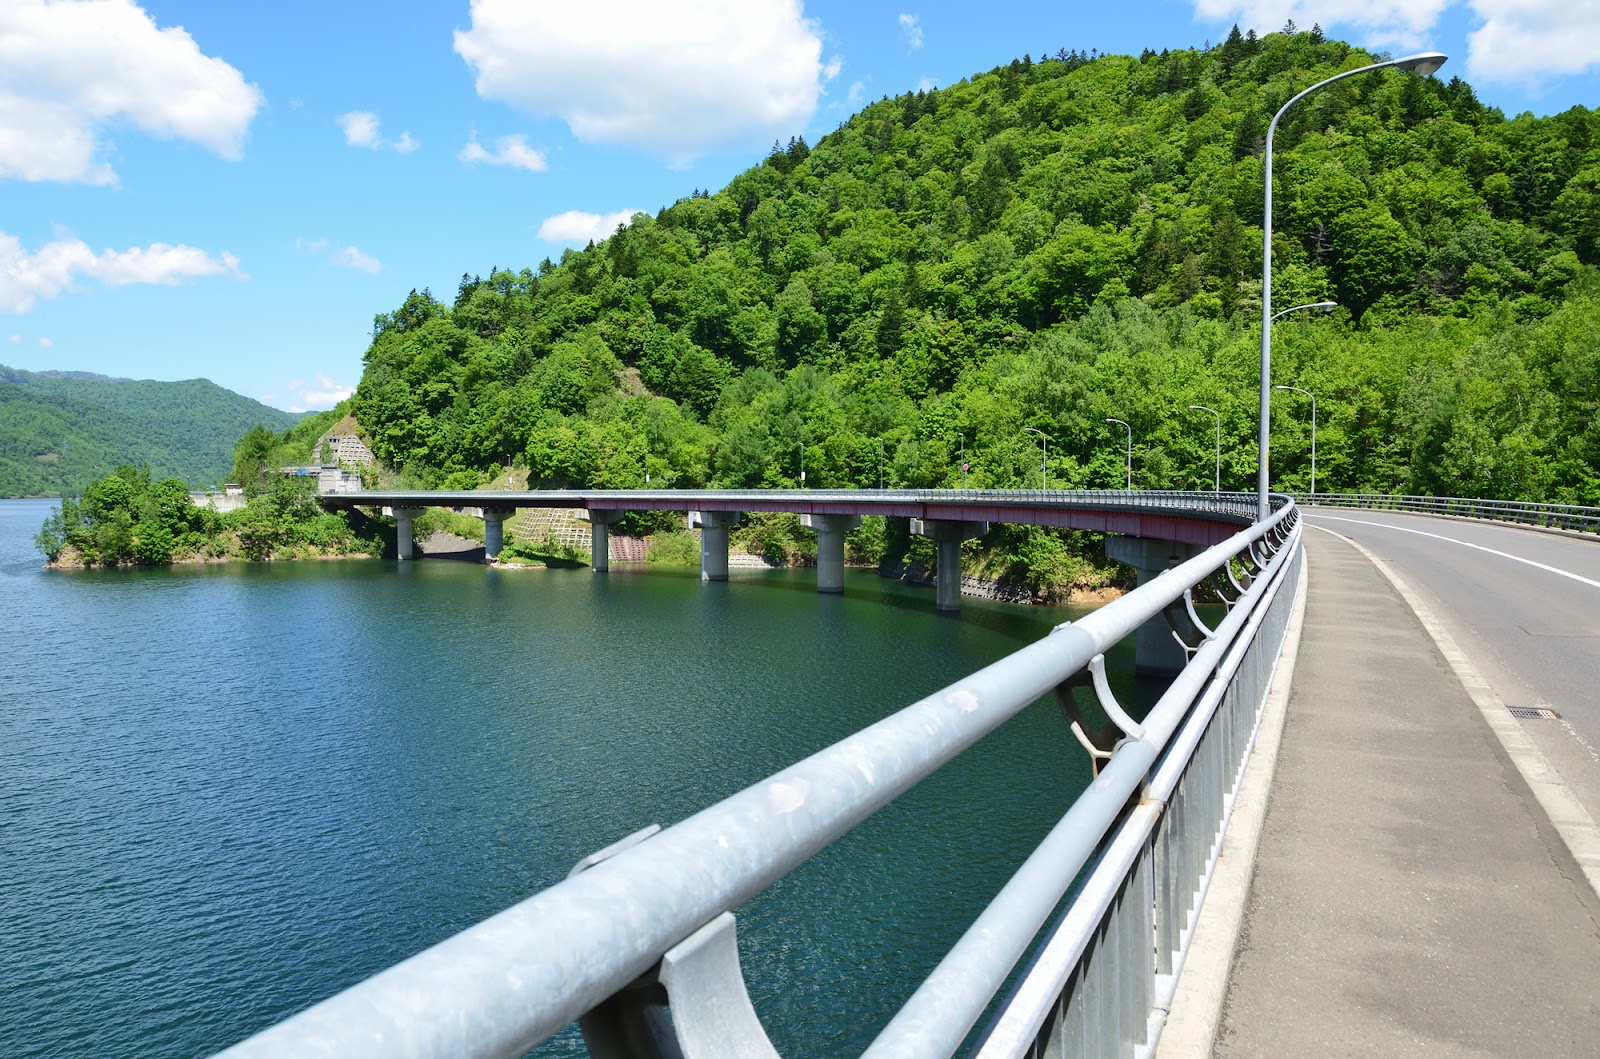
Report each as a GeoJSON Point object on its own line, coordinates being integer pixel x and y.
{"type": "Point", "coordinates": [1155, 648]}
{"type": "Point", "coordinates": [948, 535]}
{"type": "Point", "coordinates": [600, 520]}
{"type": "Point", "coordinates": [830, 530]}
{"type": "Point", "coordinates": [714, 527]}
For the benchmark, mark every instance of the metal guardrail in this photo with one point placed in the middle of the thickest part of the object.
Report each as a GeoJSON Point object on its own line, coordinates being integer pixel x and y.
{"type": "Point", "coordinates": [645, 926]}
{"type": "Point", "coordinates": [1558, 516]}
{"type": "Point", "coordinates": [1236, 506]}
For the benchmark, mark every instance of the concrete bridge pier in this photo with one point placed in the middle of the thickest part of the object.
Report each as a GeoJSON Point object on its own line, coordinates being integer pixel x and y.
{"type": "Point", "coordinates": [714, 527]}
{"type": "Point", "coordinates": [1155, 649]}
{"type": "Point", "coordinates": [600, 520]}
{"type": "Point", "coordinates": [403, 518]}
{"type": "Point", "coordinates": [948, 534]}
{"type": "Point", "coordinates": [830, 530]}
{"type": "Point", "coordinates": [494, 531]}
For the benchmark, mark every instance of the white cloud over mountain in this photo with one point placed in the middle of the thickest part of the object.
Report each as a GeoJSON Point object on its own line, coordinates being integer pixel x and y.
{"type": "Point", "coordinates": [26, 278]}
{"type": "Point", "coordinates": [69, 68]}
{"type": "Point", "coordinates": [577, 228]}
{"type": "Point", "coordinates": [675, 78]}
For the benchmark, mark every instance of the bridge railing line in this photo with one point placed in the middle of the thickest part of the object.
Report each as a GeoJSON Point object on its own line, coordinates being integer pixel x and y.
{"type": "Point", "coordinates": [504, 985]}
{"type": "Point", "coordinates": [1558, 516]}
{"type": "Point", "coordinates": [938, 1016]}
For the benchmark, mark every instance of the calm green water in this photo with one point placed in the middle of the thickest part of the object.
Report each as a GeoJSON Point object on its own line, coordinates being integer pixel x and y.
{"type": "Point", "coordinates": [228, 792]}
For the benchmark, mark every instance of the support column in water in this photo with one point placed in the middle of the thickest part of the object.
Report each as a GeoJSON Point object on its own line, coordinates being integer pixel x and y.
{"type": "Point", "coordinates": [403, 518]}
{"type": "Point", "coordinates": [830, 530]}
{"type": "Point", "coordinates": [714, 527]}
{"type": "Point", "coordinates": [948, 534]}
{"type": "Point", "coordinates": [1155, 649]}
{"type": "Point", "coordinates": [600, 520]}
{"type": "Point", "coordinates": [494, 534]}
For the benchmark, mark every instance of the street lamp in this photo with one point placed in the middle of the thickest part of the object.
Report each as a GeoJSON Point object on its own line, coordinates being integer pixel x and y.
{"type": "Point", "coordinates": [1313, 397]}
{"type": "Point", "coordinates": [802, 449]}
{"type": "Point", "coordinates": [1043, 480]}
{"type": "Point", "coordinates": [880, 462]}
{"type": "Point", "coordinates": [963, 438]}
{"type": "Point", "coordinates": [1130, 450]}
{"type": "Point", "coordinates": [1202, 408]}
{"type": "Point", "coordinates": [1422, 65]}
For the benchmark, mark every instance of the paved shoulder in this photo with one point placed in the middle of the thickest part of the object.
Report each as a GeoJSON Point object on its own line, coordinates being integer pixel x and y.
{"type": "Point", "coordinates": [1409, 897]}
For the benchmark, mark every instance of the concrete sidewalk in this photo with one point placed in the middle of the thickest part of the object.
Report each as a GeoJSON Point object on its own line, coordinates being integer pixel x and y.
{"type": "Point", "coordinates": [1409, 896]}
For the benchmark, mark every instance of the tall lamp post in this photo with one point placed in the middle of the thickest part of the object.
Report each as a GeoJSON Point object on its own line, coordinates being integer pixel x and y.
{"type": "Point", "coordinates": [1202, 408]}
{"type": "Point", "coordinates": [802, 449]}
{"type": "Point", "coordinates": [1313, 397]}
{"type": "Point", "coordinates": [880, 462]}
{"type": "Point", "coordinates": [1422, 64]}
{"type": "Point", "coordinates": [1043, 479]}
{"type": "Point", "coordinates": [963, 460]}
{"type": "Point", "coordinates": [1130, 450]}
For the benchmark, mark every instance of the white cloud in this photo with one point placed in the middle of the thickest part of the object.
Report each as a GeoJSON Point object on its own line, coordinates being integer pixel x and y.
{"type": "Point", "coordinates": [68, 68]}
{"type": "Point", "coordinates": [47, 343]}
{"type": "Point", "coordinates": [363, 129]}
{"type": "Point", "coordinates": [858, 92]}
{"type": "Point", "coordinates": [831, 71]}
{"type": "Point", "coordinates": [350, 257]}
{"type": "Point", "coordinates": [1380, 23]}
{"type": "Point", "coordinates": [926, 84]}
{"type": "Point", "coordinates": [912, 28]}
{"type": "Point", "coordinates": [340, 255]}
{"type": "Point", "coordinates": [325, 394]}
{"type": "Point", "coordinates": [54, 268]}
{"type": "Point", "coordinates": [509, 150]}
{"type": "Point", "coordinates": [676, 77]}
{"type": "Point", "coordinates": [576, 228]}
{"type": "Point", "coordinates": [15, 340]}
{"type": "Point", "coordinates": [1531, 39]}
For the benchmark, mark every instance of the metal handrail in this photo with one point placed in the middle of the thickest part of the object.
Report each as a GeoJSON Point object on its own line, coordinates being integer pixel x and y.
{"type": "Point", "coordinates": [1559, 516]}
{"type": "Point", "coordinates": [501, 987]}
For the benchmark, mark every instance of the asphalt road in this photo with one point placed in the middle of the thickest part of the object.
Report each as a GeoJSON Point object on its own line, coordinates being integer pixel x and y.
{"type": "Point", "coordinates": [1525, 607]}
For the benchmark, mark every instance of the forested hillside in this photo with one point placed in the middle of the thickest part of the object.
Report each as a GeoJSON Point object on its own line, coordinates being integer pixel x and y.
{"type": "Point", "coordinates": [1051, 243]}
{"type": "Point", "coordinates": [60, 431]}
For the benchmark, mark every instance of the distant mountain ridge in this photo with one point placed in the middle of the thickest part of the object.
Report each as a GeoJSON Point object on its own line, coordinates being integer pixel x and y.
{"type": "Point", "coordinates": [61, 430]}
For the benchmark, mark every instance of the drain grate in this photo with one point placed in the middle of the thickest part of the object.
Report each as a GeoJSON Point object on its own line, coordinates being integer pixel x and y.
{"type": "Point", "coordinates": [1538, 712]}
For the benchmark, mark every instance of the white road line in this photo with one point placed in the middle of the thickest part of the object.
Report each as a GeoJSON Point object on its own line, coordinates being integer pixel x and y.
{"type": "Point", "coordinates": [1465, 544]}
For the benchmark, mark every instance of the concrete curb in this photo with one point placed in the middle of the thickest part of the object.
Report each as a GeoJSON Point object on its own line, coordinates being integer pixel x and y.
{"type": "Point", "coordinates": [1191, 1025]}
{"type": "Point", "coordinates": [1566, 814]}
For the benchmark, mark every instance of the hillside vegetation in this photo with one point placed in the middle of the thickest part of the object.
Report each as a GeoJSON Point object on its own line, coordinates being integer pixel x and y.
{"type": "Point", "coordinates": [1049, 244]}
{"type": "Point", "coordinates": [61, 431]}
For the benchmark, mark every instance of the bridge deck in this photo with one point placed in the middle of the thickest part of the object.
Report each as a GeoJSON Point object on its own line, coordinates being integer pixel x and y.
{"type": "Point", "coordinates": [1409, 895]}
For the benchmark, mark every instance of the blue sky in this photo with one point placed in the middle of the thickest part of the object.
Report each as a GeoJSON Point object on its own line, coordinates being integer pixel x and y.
{"type": "Point", "coordinates": [233, 190]}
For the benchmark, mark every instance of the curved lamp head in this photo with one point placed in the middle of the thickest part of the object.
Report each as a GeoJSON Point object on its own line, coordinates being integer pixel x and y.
{"type": "Point", "coordinates": [1423, 63]}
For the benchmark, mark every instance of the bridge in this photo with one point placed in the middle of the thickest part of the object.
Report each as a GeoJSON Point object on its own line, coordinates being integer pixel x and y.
{"type": "Point", "coordinates": [1425, 877]}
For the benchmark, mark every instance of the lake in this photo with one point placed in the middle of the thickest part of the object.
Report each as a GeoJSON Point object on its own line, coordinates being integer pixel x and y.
{"type": "Point", "coordinates": [229, 791]}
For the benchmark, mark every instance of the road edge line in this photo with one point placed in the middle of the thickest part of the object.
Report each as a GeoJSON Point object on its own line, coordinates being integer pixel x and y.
{"type": "Point", "coordinates": [1202, 988]}
{"type": "Point", "coordinates": [1565, 813]}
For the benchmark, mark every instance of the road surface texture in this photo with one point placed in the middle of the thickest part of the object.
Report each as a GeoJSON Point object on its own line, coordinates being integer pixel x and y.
{"type": "Point", "coordinates": [1410, 896]}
